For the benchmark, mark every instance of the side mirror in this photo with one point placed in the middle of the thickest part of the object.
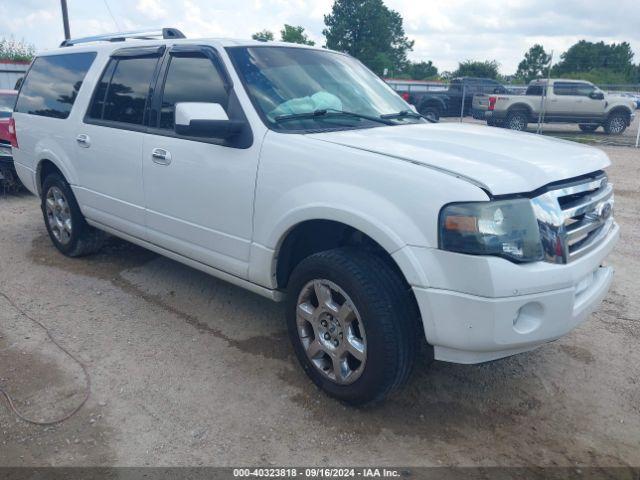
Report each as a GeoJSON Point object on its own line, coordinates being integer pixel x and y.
{"type": "Point", "coordinates": [596, 95]}
{"type": "Point", "coordinates": [199, 119]}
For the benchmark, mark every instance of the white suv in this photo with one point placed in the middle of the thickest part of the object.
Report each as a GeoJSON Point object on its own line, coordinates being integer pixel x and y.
{"type": "Point", "coordinates": [296, 173]}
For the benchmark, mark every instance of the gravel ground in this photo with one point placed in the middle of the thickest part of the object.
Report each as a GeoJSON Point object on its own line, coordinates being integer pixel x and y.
{"type": "Point", "coordinates": [188, 370]}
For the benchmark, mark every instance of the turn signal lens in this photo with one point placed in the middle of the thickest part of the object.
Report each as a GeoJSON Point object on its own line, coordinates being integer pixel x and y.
{"type": "Point", "coordinates": [13, 138]}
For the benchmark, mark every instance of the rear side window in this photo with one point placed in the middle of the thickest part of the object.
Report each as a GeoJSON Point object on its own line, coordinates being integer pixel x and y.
{"type": "Point", "coordinates": [52, 84]}
{"type": "Point", "coordinates": [560, 88]}
{"type": "Point", "coordinates": [122, 91]}
{"type": "Point", "coordinates": [192, 78]}
{"type": "Point", "coordinates": [535, 90]}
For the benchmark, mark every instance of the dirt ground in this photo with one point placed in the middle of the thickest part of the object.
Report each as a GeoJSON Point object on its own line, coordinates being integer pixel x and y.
{"type": "Point", "coordinates": [188, 370]}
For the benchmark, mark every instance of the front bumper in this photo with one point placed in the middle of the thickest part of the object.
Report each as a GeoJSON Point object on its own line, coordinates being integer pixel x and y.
{"type": "Point", "coordinates": [477, 309]}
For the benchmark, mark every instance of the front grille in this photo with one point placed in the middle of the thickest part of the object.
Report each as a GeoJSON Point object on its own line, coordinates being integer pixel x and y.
{"type": "Point", "coordinates": [574, 217]}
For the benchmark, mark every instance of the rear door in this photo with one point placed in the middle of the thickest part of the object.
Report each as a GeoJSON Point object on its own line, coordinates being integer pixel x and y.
{"type": "Point", "coordinates": [109, 142]}
{"type": "Point", "coordinates": [199, 196]}
{"type": "Point", "coordinates": [565, 105]}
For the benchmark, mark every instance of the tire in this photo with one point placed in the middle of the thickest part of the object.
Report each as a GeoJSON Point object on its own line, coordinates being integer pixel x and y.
{"type": "Point", "coordinates": [381, 317]}
{"type": "Point", "coordinates": [517, 121]}
{"type": "Point", "coordinates": [615, 124]}
{"type": "Point", "coordinates": [10, 181]}
{"type": "Point", "coordinates": [588, 127]}
{"type": "Point", "coordinates": [431, 112]}
{"type": "Point", "coordinates": [67, 227]}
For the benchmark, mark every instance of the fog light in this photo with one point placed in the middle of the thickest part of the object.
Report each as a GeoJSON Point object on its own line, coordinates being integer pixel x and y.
{"type": "Point", "coordinates": [528, 318]}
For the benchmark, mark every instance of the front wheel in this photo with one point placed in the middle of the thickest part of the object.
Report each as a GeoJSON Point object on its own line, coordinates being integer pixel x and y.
{"type": "Point", "coordinates": [353, 324]}
{"type": "Point", "coordinates": [68, 230]}
{"type": "Point", "coordinates": [616, 124]}
{"type": "Point", "coordinates": [431, 113]}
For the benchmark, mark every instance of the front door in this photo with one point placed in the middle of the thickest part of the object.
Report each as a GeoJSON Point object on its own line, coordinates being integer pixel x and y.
{"type": "Point", "coordinates": [109, 142]}
{"type": "Point", "coordinates": [198, 191]}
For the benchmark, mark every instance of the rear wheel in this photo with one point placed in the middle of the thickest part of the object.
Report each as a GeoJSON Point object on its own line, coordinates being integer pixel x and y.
{"type": "Point", "coordinates": [353, 324]}
{"type": "Point", "coordinates": [68, 230]}
{"type": "Point", "coordinates": [517, 120]}
{"type": "Point", "coordinates": [431, 113]}
{"type": "Point", "coordinates": [588, 127]}
{"type": "Point", "coordinates": [615, 124]}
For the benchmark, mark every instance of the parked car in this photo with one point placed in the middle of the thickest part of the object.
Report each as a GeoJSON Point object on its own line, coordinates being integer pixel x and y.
{"type": "Point", "coordinates": [296, 173]}
{"type": "Point", "coordinates": [633, 96]}
{"type": "Point", "coordinates": [448, 103]}
{"type": "Point", "coordinates": [8, 177]}
{"type": "Point", "coordinates": [566, 101]}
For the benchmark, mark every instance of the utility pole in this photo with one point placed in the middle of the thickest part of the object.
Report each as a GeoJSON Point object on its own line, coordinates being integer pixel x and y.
{"type": "Point", "coordinates": [65, 19]}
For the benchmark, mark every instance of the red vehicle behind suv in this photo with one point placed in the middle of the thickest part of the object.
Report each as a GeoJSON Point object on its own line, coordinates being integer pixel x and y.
{"type": "Point", "coordinates": [8, 177]}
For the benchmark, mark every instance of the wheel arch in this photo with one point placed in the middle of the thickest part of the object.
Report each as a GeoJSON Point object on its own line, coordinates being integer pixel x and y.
{"type": "Point", "coordinates": [520, 107]}
{"type": "Point", "coordinates": [48, 165]}
{"type": "Point", "coordinates": [436, 102]}
{"type": "Point", "coordinates": [621, 109]}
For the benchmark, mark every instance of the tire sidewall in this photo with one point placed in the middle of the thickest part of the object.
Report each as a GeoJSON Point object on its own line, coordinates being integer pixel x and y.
{"type": "Point", "coordinates": [56, 180]}
{"type": "Point", "coordinates": [376, 371]}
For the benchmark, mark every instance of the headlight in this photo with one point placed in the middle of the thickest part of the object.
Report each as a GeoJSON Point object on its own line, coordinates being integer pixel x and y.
{"type": "Point", "coordinates": [505, 228]}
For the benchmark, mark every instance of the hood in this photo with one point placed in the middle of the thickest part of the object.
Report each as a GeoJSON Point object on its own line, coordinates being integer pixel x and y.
{"type": "Point", "coordinates": [501, 161]}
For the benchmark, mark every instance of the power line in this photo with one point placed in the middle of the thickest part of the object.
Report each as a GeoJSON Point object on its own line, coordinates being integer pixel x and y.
{"type": "Point", "coordinates": [106, 4]}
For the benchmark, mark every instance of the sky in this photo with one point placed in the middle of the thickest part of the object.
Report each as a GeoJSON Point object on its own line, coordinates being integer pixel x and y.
{"type": "Point", "coordinates": [445, 32]}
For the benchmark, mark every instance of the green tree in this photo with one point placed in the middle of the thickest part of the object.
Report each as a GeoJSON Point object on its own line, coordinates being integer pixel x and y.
{"type": "Point", "coordinates": [534, 64]}
{"type": "Point", "coordinates": [263, 36]}
{"type": "Point", "coordinates": [419, 71]}
{"type": "Point", "coordinates": [293, 34]}
{"type": "Point", "coordinates": [586, 56]}
{"type": "Point", "coordinates": [369, 31]}
{"type": "Point", "coordinates": [16, 51]}
{"type": "Point", "coordinates": [474, 68]}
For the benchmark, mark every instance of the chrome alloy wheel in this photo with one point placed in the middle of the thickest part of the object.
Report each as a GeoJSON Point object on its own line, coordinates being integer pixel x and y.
{"type": "Point", "coordinates": [517, 123]}
{"type": "Point", "coordinates": [331, 331]}
{"type": "Point", "coordinates": [59, 215]}
{"type": "Point", "coordinates": [617, 125]}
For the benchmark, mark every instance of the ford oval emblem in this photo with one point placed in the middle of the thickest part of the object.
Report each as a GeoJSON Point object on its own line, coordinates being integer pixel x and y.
{"type": "Point", "coordinates": [605, 211]}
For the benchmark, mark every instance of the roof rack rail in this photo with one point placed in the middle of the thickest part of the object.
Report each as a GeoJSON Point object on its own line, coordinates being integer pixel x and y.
{"type": "Point", "coordinates": [122, 36]}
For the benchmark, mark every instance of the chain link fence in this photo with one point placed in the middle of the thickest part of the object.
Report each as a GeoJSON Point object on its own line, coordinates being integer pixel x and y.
{"type": "Point", "coordinates": [455, 102]}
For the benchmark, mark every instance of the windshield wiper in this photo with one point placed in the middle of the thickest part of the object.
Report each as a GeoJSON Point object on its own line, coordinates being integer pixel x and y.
{"type": "Point", "coordinates": [325, 111]}
{"type": "Point", "coordinates": [406, 113]}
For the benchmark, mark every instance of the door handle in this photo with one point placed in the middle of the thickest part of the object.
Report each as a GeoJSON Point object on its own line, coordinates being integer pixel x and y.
{"type": "Point", "coordinates": [161, 156]}
{"type": "Point", "coordinates": [83, 140]}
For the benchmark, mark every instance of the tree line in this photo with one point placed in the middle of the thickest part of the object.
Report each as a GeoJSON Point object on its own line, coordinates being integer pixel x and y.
{"type": "Point", "coordinates": [373, 33]}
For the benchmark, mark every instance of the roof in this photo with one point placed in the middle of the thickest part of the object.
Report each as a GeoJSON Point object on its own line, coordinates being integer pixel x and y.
{"type": "Point", "coordinates": [543, 81]}
{"type": "Point", "coordinates": [216, 42]}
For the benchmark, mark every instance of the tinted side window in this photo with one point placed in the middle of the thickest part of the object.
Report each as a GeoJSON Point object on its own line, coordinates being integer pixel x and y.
{"type": "Point", "coordinates": [584, 89]}
{"type": "Point", "coordinates": [190, 79]}
{"type": "Point", "coordinates": [535, 90]}
{"type": "Point", "coordinates": [564, 88]}
{"type": "Point", "coordinates": [122, 92]}
{"type": "Point", "coordinates": [52, 84]}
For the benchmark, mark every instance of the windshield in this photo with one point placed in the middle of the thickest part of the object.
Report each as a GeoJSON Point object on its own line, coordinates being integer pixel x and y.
{"type": "Point", "coordinates": [286, 84]}
{"type": "Point", "coordinates": [7, 102]}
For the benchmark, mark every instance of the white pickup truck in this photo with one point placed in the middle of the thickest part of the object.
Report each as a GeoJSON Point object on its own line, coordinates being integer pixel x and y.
{"type": "Point", "coordinates": [566, 101]}
{"type": "Point", "coordinates": [298, 174]}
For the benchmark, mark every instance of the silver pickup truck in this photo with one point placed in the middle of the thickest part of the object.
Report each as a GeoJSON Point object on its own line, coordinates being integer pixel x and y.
{"type": "Point", "coordinates": [566, 101]}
